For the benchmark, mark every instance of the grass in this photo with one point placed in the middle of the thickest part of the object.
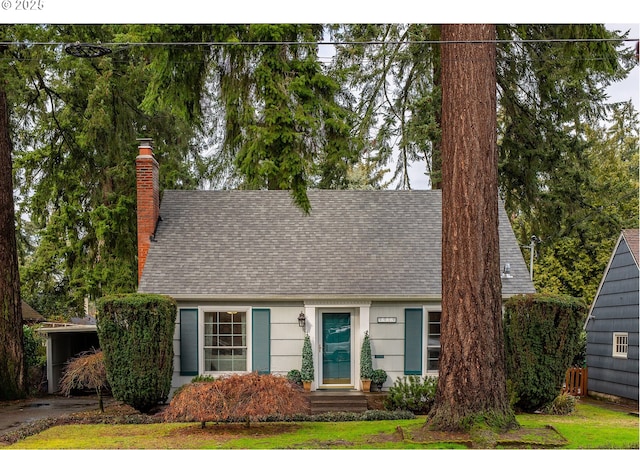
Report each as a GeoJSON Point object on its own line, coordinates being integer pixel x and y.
{"type": "Point", "coordinates": [589, 427]}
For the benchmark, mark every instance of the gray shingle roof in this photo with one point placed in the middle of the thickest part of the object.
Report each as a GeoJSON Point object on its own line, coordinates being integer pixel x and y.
{"type": "Point", "coordinates": [354, 243]}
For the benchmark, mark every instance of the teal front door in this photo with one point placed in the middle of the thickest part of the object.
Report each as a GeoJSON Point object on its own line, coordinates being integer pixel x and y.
{"type": "Point", "coordinates": [336, 348]}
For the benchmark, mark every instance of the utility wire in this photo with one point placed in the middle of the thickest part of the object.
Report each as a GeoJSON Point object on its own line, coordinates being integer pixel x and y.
{"type": "Point", "coordinates": [261, 43]}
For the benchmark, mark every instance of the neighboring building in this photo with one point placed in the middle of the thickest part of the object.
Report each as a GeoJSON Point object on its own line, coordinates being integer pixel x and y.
{"type": "Point", "coordinates": [612, 324]}
{"type": "Point", "coordinates": [252, 274]}
{"type": "Point", "coordinates": [29, 315]}
{"type": "Point", "coordinates": [66, 341]}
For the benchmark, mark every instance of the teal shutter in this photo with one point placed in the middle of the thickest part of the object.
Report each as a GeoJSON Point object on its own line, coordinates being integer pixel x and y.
{"type": "Point", "coordinates": [413, 341]}
{"type": "Point", "coordinates": [261, 340]}
{"type": "Point", "coordinates": [188, 341]}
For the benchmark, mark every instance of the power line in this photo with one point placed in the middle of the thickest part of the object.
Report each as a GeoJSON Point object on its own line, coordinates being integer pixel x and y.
{"type": "Point", "coordinates": [332, 43]}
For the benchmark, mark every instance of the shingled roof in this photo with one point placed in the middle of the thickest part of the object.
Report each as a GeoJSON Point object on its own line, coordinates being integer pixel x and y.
{"type": "Point", "coordinates": [256, 244]}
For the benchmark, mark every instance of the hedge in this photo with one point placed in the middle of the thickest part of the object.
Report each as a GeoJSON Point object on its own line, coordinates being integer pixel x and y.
{"type": "Point", "coordinates": [136, 336]}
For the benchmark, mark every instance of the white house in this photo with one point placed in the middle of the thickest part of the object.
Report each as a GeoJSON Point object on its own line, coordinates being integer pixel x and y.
{"type": "Point", "coordinates": [252, 274]}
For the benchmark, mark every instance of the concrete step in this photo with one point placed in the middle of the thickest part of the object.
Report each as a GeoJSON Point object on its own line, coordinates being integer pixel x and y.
{"type": "Point", "coordinates": [336, 401]}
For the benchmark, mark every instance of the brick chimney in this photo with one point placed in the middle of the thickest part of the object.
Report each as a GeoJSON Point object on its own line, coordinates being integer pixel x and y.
{"type": "Point", "coordinates": [148, 199]}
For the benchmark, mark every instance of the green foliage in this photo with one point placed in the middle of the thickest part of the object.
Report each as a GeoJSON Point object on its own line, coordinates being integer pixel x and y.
{"type": "Point", "coordinates": [307, 371]}
{"type": "Point", "coordinates": [35, 358]}
{"type": "Point", "coordinates": [294, 376]}
{"type": "Point", "coordinates": [562, 405]}
{"type": "Point", "coordinates": [236, 398]}
{"type": "Point", "coordinates": [203, 379]}
{"type": "Point", "coordinates": [136, 335]}
{"type": "Point", "coordinates": [35, 351]}
{"type": "Point", "coordinates": [542, 337]}
{"type": "Point", "coordinates": [76, 121]}
{"type": "Point", "coordinates": [412, 393]}
{"type": "Point", "coordinates": [366, 365]}
{"type": "Point", "coordinates": [379, 376]}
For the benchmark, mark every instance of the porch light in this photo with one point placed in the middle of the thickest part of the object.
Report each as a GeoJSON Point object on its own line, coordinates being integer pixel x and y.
{"type": "Point", "coordinates": [301, 320]}
{"type": "Point", "coordinates": [506, 272]}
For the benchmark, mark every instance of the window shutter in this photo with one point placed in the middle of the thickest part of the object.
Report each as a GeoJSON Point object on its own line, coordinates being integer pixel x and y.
{"type": "Point", "coordinates": [188, 341]}
{"type": "Point", "coordinates": [261, 341]}
{"type": "Point", "coordinates": [413, 341]}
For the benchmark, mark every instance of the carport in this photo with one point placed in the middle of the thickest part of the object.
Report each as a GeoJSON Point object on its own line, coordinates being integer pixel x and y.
{"type": "Point", "coordinates": [64, 341]}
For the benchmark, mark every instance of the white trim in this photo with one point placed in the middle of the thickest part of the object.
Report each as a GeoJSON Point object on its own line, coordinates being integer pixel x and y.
{"type": "Point", "coordinates": [426, 309]}
{"type": "Point", "coordinates": [617, 338]}
{"type": "Point", "coordinates": [216, 308]}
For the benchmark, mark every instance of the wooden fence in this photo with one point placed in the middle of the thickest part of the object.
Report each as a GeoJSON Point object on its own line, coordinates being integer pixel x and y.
{"type": "Point", "coordinates": [575, 382]}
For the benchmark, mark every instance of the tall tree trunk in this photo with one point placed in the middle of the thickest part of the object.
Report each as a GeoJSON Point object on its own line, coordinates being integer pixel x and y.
{"type": "Point", "coordinates": [12, 366]}
{"type": "Point", "coordinates": [472, 383]}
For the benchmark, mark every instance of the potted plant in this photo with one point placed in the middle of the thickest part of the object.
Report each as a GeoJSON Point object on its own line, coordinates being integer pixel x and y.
{"type": "Point", "coordinates": [378, 378]}
{"type": "Point", "coordinates": [366, 367]}
{"type": "Point", "coordinates": [295, 377]}
{"type": "Point", "coordinates": [306, 374]}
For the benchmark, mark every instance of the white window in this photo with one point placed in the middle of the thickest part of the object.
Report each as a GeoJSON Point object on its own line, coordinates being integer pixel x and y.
{"type": "Point", "coordinates": [225, 341]}
{"type": "Point", "coordinates": [433, 340]}
{"type": "Point", "coordinates": [620, 345]}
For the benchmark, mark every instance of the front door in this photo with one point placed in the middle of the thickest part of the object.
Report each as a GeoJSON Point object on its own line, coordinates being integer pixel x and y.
{"type": "Point", "coordinates": [336, 348]}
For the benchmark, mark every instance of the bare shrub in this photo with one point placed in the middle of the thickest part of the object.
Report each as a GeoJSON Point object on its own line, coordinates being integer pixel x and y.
{"type": "Point", "coordinates": [236, 398]}
{"type": "Point", "coordinates": [85, 371]}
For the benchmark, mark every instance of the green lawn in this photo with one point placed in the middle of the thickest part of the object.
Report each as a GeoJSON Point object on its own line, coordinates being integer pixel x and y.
{"type": "Point", "coordinates": [589, 427]}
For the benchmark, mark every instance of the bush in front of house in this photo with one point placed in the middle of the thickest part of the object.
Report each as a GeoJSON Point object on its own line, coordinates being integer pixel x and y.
{"type": "Point", "coordinates": [236, 398]}
{"type": "Point", "coordinates": [295, 377]}
{"type": "Point", "coordinates": [542, 337]}
{"type": "Point", "coordinates": [85, 371]}
{"type": "Point", "coordinates": [412, 393]}
{"type": "Point", "coordinates": [136, 336]}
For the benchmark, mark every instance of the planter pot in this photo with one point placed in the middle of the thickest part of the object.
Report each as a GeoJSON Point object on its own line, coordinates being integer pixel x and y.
{"type": "Point", "coordinates": [306, 385]}
{"type": "Point", "coordinates": [366, 385]}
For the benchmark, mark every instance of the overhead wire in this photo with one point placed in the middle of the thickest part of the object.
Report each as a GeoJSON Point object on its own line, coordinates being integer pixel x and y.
{"type": "Point", "coordinates": [374, 42]}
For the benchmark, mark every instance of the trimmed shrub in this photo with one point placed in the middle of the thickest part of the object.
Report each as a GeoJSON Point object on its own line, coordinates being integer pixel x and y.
{"type": "Point", "coordinates": [307, 372]}
{"type": "Point", "coordinates": [136, 336]}
{"type": "Point", "coordinates": [236, 398]}
{"type": "Point", "coordinates": [366, 366]}
{"type": "Point", "coordinates": [412, 393]}
{"type": "Point", "coordinates": [542, 337]}
{"type": "Point", "coordinates": [295, 377]}
{"type": "Point", "coordinates": [379, 377]}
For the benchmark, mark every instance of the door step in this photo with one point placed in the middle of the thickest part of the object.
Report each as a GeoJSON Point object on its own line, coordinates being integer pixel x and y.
{"type": "Point", "coordinates": [337, 401]}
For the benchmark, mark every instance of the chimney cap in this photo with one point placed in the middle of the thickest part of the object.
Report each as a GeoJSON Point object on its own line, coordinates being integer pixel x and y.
{"type": "Point", "coordinates": [145, 146]}
{"type": "Point", "coordinates": [145, 142]}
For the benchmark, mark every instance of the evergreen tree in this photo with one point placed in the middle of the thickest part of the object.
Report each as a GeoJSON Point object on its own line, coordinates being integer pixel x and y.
{"type": "Point", "coordinates": [285, 125]}
{"type": "Point", "coordinates": [12, 361]}
{"type": "Point", "coordinates": [472, 382]}
{"type": "Point", "coordinates": [74, 157]}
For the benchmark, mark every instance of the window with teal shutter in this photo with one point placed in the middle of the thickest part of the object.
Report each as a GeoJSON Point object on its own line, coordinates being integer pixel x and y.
{"type": "Point", "coordinates": [413, 341]}
{"type": "Point", "coordinates": [261, 341]}
{"type": "Point", "coordinates": [188, 341]}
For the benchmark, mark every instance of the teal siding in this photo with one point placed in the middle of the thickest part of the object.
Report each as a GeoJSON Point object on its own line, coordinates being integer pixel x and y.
{"type": "Point", "coordinates": [413, 342]}
{"type": "Point", "coordinates": [261, 341]}
{"type": "Point", "coordinates": [188, 341]}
